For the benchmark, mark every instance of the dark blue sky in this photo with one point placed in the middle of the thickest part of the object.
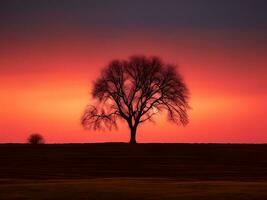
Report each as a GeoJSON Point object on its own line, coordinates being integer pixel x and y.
{"type": "Point", "coordinates": [225, 14]}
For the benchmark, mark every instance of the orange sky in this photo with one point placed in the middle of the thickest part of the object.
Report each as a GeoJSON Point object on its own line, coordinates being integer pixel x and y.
{"type": "Point", "coordinates": [45, 83]}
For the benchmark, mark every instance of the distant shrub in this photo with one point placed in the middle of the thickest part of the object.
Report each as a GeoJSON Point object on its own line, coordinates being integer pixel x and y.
{"type": "Point", "coordinates": [36, 138]}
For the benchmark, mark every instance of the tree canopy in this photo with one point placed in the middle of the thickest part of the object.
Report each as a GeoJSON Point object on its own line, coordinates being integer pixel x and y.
{"type": "Point", "coordinates": [135, 90]}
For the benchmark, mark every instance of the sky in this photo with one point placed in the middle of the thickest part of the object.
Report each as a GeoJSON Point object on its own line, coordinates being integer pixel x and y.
{"type": "Point", "coordinates": [52, 51]}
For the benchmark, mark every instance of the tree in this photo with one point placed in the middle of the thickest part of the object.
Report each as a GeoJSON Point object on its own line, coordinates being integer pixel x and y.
{"type": "Point", "coordinates": [35, 138]}
{"type": "Point", "coordinates": [135, 90]}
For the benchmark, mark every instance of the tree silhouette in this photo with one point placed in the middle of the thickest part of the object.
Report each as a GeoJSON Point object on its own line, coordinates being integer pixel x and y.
{"type": "Point", "coordinates": [35, 138]}
{"type": "Point", "coordinates": [135, 90]}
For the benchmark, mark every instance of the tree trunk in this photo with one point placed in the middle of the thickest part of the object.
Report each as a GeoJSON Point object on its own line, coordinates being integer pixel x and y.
{"type": "Point", "coordinates": [133, 136]}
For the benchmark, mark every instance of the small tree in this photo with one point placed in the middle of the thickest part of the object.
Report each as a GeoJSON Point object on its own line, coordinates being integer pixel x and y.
{"type": "Point", "coordinates": [134, 91]}
{"type": "Point", "coordinates": [35, 138]}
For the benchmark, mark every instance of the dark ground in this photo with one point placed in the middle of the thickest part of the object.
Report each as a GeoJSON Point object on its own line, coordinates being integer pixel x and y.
{"type": "Point", "coordinates": [143, 171]}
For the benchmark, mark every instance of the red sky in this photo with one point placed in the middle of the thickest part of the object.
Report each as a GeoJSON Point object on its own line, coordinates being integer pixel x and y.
{"type": "Point", "coordinates": [50, 56]}
{"type": "Point", "coordinates": [45, 85]}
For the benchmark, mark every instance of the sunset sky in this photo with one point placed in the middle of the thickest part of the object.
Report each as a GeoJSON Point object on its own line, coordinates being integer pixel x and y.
{"type": "Point", "coordinates": [51, 51]}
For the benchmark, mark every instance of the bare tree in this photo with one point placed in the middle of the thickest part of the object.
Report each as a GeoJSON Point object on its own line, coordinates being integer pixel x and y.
{"type": "Point", "coordinates": [35, 138]}
{"type": "Point", "coordinates": [135, 90]}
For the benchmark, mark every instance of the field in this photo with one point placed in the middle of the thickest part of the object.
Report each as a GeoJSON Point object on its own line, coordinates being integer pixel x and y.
{"type": "Point", "coordinates": [143, 171]}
